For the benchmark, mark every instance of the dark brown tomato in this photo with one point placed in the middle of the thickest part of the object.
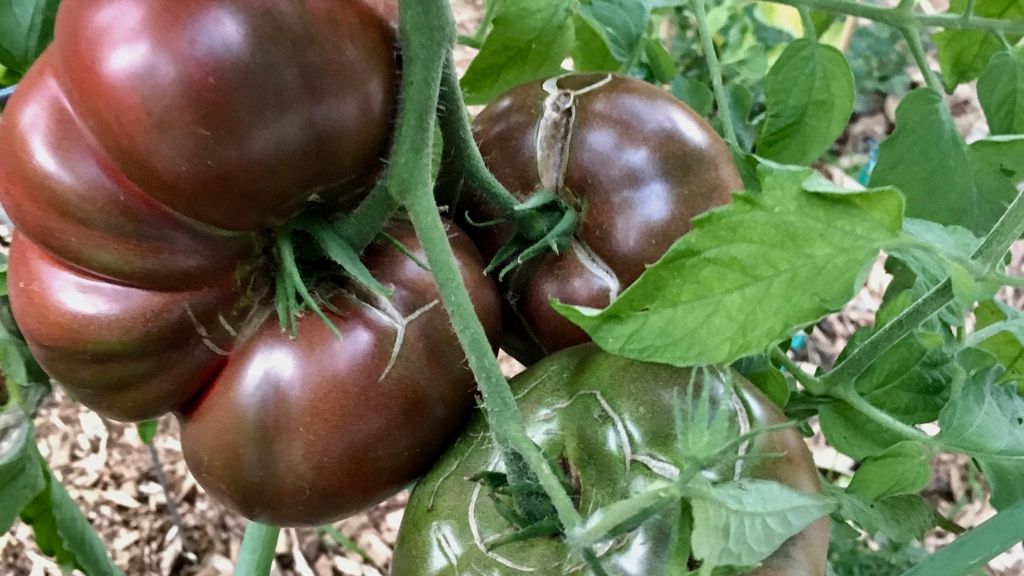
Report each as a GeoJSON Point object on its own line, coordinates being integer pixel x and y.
{"type": "Point", "coordinates": [66, 195]}
{"type": "Point", "coordinates": [232, 112]}
{"type": "Point", "coordinates": [128, 353]}
{"type": "Point", "coordinates": [310, 429]}
{"type": "Point", "coordinates": [635, 162]}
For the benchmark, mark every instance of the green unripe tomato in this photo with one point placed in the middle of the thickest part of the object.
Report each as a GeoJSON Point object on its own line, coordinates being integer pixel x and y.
{"type": "Point", "coordinates": [609, 421]}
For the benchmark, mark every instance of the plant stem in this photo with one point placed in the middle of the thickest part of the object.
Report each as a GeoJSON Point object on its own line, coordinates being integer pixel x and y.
{"type": "Point", "coordinates": [854, 399]}
{"type": "Point", "coordinates": [912, 35]}
{"type": "Point", "coordinates": [808, 23]}
{"type": "Point", "coordinates": [812, 384]}
{"type": "Point", "coordinates": [987, 256]}
{"type": "Point", "coordinates": [887, 336]}
{"type": "Point", "coordinates": [459, 147]}
{"type": "Point", "coordinates": [363, 224]}
{"type": "Point", "coordinates": [427, 31]}
{"type": "Point", "coordinates": [903, 18]}
{"type": "Point", "coordinates": [1007, 230]}
{"type": "Point", "coordinates": [257, 553]}
{"type": "Point", "coordinates": [715, 70]}
{"type": "Point", "coordinates": [977, 546]}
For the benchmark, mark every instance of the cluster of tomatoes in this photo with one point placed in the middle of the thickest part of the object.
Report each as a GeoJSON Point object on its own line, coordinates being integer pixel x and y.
{"type": "Point", "coordinates": [153, 149]}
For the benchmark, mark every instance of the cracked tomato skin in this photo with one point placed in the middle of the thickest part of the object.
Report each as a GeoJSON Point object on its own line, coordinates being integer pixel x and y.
{"type": "Point", "coordinates": [637, 164]}
{"type": "Point", "coordinates": [618, 439]}
{"type": "Point", "coordinates": [308, 430]}
{"type": "Point", "coordinates": [148, 152]}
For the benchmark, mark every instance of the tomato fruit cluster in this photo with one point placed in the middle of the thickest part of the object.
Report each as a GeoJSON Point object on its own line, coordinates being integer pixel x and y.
{"type": "Point", "coordinates": [610, 421]}
{"type": "Point", "coordinates": [148, 155]}
{"type": "Point", "coordinates": [636, 164]}
{"type": "Point", "coordinates": [155, 147]}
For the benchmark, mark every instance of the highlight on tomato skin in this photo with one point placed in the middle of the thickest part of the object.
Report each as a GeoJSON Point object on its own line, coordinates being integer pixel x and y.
{"type": "Point", "coordinates": [129, 353]}
{"type": "Point", "coordinates": [307, 430]}
{"type": "Point", "coordinates": [635, 162]}
{"type": "Point", "coordinates": [609, 423]}
{"type": "Point", "coordinates": [232, 112]}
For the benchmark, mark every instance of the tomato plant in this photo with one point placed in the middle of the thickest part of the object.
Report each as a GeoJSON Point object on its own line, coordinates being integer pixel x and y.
{"type": "Point", "coordinates": [611, 440]}
{"type": "Point", "coordinates": [208, 220]}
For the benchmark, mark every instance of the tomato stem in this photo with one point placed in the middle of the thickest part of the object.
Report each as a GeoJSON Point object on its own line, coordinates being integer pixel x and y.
{"type": "Point", "coordinates": [257, 552]}
{"type": "Point", "coordinates": [912, 35]}
{"type": "Point", "coordinates": [715, 70]}
{"type": "Point", "coordinates": [902, 17]}
{"type": "Point", "coordinates": [808, 23]}
{"type": "Point", "coordinates": [365, 222]}
{"type": "Point", "coordinates": [461, 152]}
{"type": "Point", "coordinates": [809, 382]}
{"type": "Point", "coordinates": [427, 31]}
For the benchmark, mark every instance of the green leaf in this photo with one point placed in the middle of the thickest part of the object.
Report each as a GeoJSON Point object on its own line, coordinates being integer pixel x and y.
{"type": "Point", "coordinates": [854, 434]}
{"type": "Point", "coordinates": [963, 54]}
{"type": "Point", "coordinates": [809, 93]}
{"type": "Point", "coordinates": [590, 51]}
{"type": "Point", "coordinates": [911, 381]}
{"type": "Point", "coordinates": [985, 419]}
{"type": "Point", "coordinates": [529, 40]}
{"type": "Point", "coordinates": [750, 63]}
{"type": "Point", "coordinates": [955, 246]}
{"type": "Point", "coordinates": [749, 273]}
{"type": "Point", "coordinates": [1000, 332]}
{"type": "Point", "coordinates": [621, 23]}
{"type": "Point", "coordinates": [741, 523]}
{"type": "Point", "coordinates": [1002, 154]}
{"type": "Point", "coordinates": [64, 533]}
{"type": "Point", "coordinates": [26, 29]}
{"type": "Point", "coordinates": [943, 192]}
{"type": "Point", "coordinates": [694, 94]}
{"type": "Point", "coordinates": [1004, 480]}
{"type": "Point", "coordinates": [624, 516]}
{"type": "Point", "coordinates": [661, 62]}
{"type": "Point", "coordinates": [20, 370]}
{"type": "Point", "coordinates": [976, 547]}
{"type": "Point", "coordinates": [21, 478]}
{"type": "Point", "coordinates": [898, 518]}
{"type": "Point", "coordinates": [741, 104]}
{"type": "Point", "coordinates": [769, 379]}
{"type": "Point", "coordinates": [902, 469]}
{"type": "Point", "coordinates": [1001, 93]}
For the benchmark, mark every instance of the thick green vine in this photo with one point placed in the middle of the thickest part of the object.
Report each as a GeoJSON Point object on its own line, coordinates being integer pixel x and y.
{"type": "Point", "coordinates": [428, 32]}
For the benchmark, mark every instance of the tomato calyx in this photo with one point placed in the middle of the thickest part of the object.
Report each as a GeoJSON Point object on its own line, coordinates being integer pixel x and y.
{"type": "Point", "coordinates": [559, 227]}
{"type": "Point", "coordinates": [299, 249]}
{"type": "Point", "coordinates": [522, 502]}
{"type": "Point", "coordinates": [546, 221]}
